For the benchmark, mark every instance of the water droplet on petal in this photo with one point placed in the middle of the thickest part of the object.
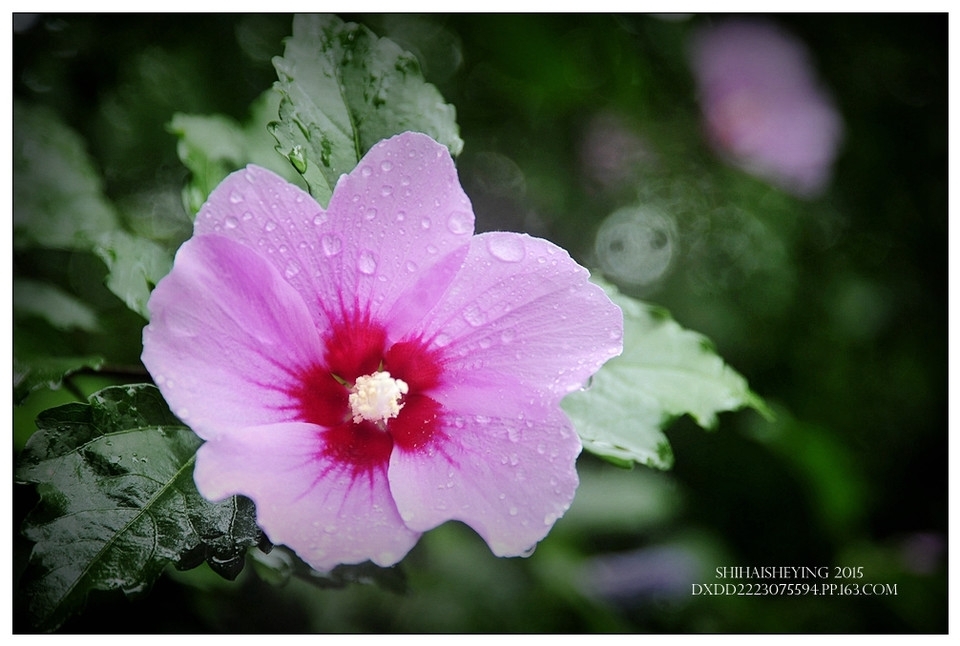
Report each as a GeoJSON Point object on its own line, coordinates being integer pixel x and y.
{"type": "Point", "coordinates": [508, 248]}
{"type": "Point", "coordinates": [231, 223]}
{"type": "Point", "coordinates": [411, 266]}
{"type": "Point", "coordinates": [386, 190]}
{"type": "Point", "coordinates": [247, 216]}
{"type": "Point", "coordinates": [459, 222]}
{"type": "Point", "coordinates": [367, 263]}
{"type": "Point", "coordinates": [474, 316]}
{"type": "Point", "coordinates": [292, 270]}
{"type": "Point", "coordinates": [370, 213]}
{"type": "Point", "coordinates": [236, 198]}
{"type": "Point", "coordinates": [270, 225]}
{"type": "Point", "coordinates": [331, 244]}
{"type": "Point", "coordinates": [386, 165]}
{"type": "Point", "coordinates": [320, 218]}
{"type": "Point", "coordinates": [425, 223]}
{"type": "Point", "coordinates": [507, 336]}
{"type": "Point", "coordinates": [366, 171]}
{"type": "Point", "coordinates": [514, 511]}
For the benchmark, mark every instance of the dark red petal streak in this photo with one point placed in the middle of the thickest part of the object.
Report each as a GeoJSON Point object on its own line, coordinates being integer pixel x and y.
{"type": "Point", "coordinates": [321, 399]}
{"type": "Point", "coordinates": [362, 447]}
{"type": "Point", "coordinates": [354, 348]}
{"type": "Point", "coordinates": [412, 362]}
{"type": "Point", "coordinates": [417, 425]}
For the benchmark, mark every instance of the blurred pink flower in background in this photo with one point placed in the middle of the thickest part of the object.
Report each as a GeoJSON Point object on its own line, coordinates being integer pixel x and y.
{"type": "Point", "coordinates": [764, 108]}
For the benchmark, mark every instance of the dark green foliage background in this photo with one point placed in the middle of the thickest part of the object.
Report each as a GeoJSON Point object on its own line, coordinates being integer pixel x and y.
{"type": "Point", "coordinates": [834, 309]}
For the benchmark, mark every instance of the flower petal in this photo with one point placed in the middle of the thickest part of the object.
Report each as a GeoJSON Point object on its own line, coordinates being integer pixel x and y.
{"type": "Point", "coordinates": [327, 513]}
{"type": "Point", "coordinates": [398, 213]}
{"type": "Point", "coordinates": [509, 478]}
{"type": "Point", "coordinates": [226, 338]}
{"type": "Point", "coordinates": [280, 222]}
{"type": "Point", "coordinates": [521, 311]}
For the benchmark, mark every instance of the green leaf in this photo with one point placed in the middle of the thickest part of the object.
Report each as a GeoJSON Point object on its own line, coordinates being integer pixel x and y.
{"type": "Point", "coordinates": [118, 503]}
{"type": "Point", "coordinates": [135, 267]}
{"type": "Point", "coordinates": [58, 199]}
{"type": "Point", "coordinates": [214, 146]}
{"type": "Point", "coordinates": [665, 371]}
{"type": "Point", "coordinates": [60, 309]}
{"type": "Point", "coordinates": [343, 90]}
{"type": "Point", "coordinates": [59, 204]}
{"type": "Point", "coordinates": [32, 372]}
{"type": "Point", "coordinates": [42, 354]}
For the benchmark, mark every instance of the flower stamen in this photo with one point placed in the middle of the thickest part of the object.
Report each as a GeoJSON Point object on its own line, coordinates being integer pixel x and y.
{"type": "Point", "coordinates": [376, 398]}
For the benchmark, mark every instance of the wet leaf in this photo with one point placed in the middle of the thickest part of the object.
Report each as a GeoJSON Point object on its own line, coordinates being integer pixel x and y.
{"type": "Point", "coordinates": [118, 503]}
{"type": "Point", "coordinates": [344, 89]}
{"type": "Point", "coordinates": [665, 371]}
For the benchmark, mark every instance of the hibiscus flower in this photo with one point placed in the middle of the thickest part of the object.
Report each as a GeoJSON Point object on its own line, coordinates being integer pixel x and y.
{"type": "Point", "coordinates": [371, 370]}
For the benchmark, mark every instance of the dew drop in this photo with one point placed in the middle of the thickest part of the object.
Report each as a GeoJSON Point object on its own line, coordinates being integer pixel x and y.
{"type": "Point", "coordinates": [485, 343]}
{"type": "Point", "coordinates": [236, 198]}
{"type": "Point", "coordinates": [386, 165]}
{"type": "Point", "coordinates": [366, 171]}
{"type": "Point", "coordinates": [431, 249]}
{"type": "Point", "coordinates": [508, 248]}
{"type": "Point", "coordinates": [331, 244]}
{"type": "Point", "coordinates": [247, 216]}
{"type": "Point", "coordinates": [474, 316]}
{"type": "Point", "coordinates": [508, 336]}
{"type": "Point", "coordinates": [270, 225]}
{"type": "Point", "coordinates": [411, 266]}
{"type": "Point", "coordinates": [231, 223]}
{"type": "Point", "coordinates": [320, 218]}
{"type": "Point", "coordinates": [401, 216]}
{"type": "Point", "coordinates": [292, 270]}
{"type": "Point", "coordinates": [370, 214]}
{"type": "Point", "coordinates": [459, 222]}
{"type": "Point", "coordinates": [367, 263]}
{"type": "Point", "coordinates": [514, 511]}
{"type": "Point", "coordinates": [386, 190]}
{"type": "Point", "coordinates": [425, 223]}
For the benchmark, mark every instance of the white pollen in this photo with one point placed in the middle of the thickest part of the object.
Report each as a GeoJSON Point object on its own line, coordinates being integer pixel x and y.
{"type": "Point", "coordinates": [376, 397]}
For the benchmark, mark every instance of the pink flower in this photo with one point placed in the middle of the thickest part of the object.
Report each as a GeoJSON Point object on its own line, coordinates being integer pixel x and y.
{"type": "Point", "coordinates": [763, 106]}
{"type": "Point", "coordinates": [367, 372]}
